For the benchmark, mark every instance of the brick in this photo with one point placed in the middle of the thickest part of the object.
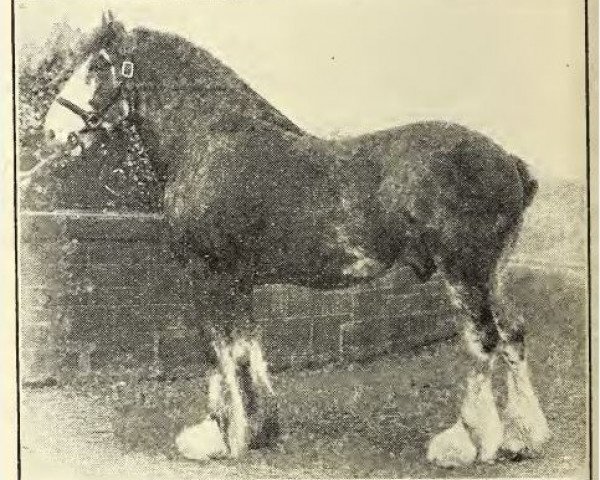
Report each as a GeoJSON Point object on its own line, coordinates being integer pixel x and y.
{"type": "Point", "coordinates": [262, 301]}
{"type": "Point", "coordinates": [96, 276]}
{"type": "Point", "coordinates": [336, 302]}
{"type": "Point", "coordinates": [110, 252]}
{"type": "Point", "coordinates": [283, 362]}
{"type": "Point", "coordinates": [119, 340]}
{"type": "Point", "coordinates": [287, 338]}
{"type": "Point", "coordinates": [169, 289]}
{"type": "Point", "coordinates": [119, 252]}
{"type": "Point", "coordinates": [168, 315]}
{"type": "Point", "coordinates": [400, 304]}
{"type": "Point", "coordinates": [140, 356]}
{"type": "Point", "coordinates": [368, 304]}
{"type": "Point", "coordinates": [119, 275]}
{"type": "Point", "coordinates": [161, 316]}
{"type": "Point", "coordinates": [326, 333]}
{"type": "Point", "coordinates": [271, 300]}
{"type": "Point", "coordinates": [160, 253]}
{"type": "Point", "coordinates": [89, 322]}
{"type": "Point", "coordinates": [130, 318]}
{"type": "Point", "coordinates": [364, 338]}
{"type": "Point", "coordinates": [423, 328]}
{"type": "Point", "coordinates": [303, 302]}
{"type": "Point", "coordinates": [113, 227]}
{"type": "Point", "coordinates": [177, 352]}
{"type": "Point", "coordinates": [279, 299]}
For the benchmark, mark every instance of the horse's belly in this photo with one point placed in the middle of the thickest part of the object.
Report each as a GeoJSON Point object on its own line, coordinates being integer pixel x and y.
{"type": "Point", "coordinates": [324, 257]}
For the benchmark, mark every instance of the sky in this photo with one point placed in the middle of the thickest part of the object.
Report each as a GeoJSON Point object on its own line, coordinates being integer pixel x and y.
{"type": "Point", "coordinates": [512, 69]}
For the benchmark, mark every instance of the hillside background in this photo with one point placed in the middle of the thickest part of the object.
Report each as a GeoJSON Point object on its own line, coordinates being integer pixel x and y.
{"type": "Point", "coordinates": [554, 231]}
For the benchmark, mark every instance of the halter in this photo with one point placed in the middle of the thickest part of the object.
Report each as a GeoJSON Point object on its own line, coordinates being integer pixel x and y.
{"type": "Point", "coordinates": [123, 90]}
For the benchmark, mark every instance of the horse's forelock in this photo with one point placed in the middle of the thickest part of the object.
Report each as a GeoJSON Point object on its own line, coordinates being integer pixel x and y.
{"type": "Point", "coordinates": [109, 37]}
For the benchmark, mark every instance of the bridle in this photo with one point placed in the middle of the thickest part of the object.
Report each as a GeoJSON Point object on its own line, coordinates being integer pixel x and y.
{"type": "Point", "coordinates": [124, 91]}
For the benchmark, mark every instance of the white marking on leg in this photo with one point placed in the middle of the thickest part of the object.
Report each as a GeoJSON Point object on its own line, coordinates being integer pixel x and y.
{"type": "Point", "coordinates": [238, 429]}
{"type": "Point", "coordinates": [454, 295]}
{"type": "Point", "coordinates": [258, 367]}
{"type": "Point", "coordinates": [239, 351]}
{"type": "Point", "coordinates": [205, 440]}
{"type": "Point", "coordinates": [202, 441]}
{"type": "Point", "coordinates": [363, 266]}
{"type": "Point", "coordinates": [216, 402]}
{"type": "Point", "coordinates": [480, 415]}
{"type": "Point", "coordinates": [452, 448]}
{"type": "Point", "coordinates": [525, 424]}
{"type": "Point", "coordinates": [473, 344]}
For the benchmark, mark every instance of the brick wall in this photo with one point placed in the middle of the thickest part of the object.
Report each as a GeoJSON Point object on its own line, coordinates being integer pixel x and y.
{"type": "Point", "coordinates": [101, 289]}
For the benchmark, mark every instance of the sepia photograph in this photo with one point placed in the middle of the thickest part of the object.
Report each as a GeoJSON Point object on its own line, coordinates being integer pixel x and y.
{"type": "Point", "coordinates": [302, 239]}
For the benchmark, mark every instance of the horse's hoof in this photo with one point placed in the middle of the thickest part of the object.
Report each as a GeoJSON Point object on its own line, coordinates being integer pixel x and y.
{"type": "Point", "coordinates": [264, 425]}
{"type": "Point", "coordinates": [524, 438]}
{"type": "Point", "coordinates": [452, 447]}
{"type": "Point", "coordinates": [202, 441]}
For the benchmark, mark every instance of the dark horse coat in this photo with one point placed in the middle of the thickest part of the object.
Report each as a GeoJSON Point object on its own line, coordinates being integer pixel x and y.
{"type": "Point", "coordinates": [251, 198]}
{"type": "Point", "coordinates": [244, 185]}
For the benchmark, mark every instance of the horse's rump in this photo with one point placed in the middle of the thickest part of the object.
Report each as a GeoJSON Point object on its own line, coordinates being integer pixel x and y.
{"type": "Point", "coordinates": [460, 194]}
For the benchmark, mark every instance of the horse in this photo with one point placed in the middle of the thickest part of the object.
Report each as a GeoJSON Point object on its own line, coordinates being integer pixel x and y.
{"type": "Point", "coordinates": [251, 198]}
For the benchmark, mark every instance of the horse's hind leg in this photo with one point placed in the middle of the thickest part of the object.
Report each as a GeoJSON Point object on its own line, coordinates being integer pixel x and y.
{"type": "Point", "coordinates": [477, 433]}
{"type": "Point", "coordinates": [525, 426]}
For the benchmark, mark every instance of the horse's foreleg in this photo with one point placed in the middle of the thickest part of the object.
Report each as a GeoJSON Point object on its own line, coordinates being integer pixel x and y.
{"type": "Point", "coordinates": [477, 433]}
{"type": "Point", "coordinates": [225, 310]}
{"type": "Point", "coordinates": [236, 426]}
{"type": "Point", "coordinates": [241, 403]}
{"type": "Point", "coordinates": [525, 426]}
{"type": "Point", "coordinates": [259, 397]}
{"type": "Point", "coordinates": [206, 439]}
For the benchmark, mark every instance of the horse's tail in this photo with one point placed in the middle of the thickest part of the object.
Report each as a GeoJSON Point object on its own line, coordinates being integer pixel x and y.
{"type": "Point", "coordinates": [530, 184]}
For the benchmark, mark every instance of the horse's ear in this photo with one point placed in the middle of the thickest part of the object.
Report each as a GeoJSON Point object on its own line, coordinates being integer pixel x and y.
{"type": "Point", "coordinates": [111, 29]}
{"type": "Point", "coordinates": [107, 18]}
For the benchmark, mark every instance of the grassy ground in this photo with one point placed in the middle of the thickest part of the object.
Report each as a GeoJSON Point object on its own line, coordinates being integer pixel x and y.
{"type": "Point", "coordinates": [374, 419]}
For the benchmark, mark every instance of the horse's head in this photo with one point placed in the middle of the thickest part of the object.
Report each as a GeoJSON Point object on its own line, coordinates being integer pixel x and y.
{"type": "Point", "coordinates": [97, 97]}
{"type": "Point", "coordinates": [95, 110]}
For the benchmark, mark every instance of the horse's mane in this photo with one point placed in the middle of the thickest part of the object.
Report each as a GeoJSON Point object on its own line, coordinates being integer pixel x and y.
{"type": "Point", "coordinates": [170, 61]}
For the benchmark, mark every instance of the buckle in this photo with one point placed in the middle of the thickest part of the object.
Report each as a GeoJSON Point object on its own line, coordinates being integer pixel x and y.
{"type": "Point", "coordinates": [127, 69]}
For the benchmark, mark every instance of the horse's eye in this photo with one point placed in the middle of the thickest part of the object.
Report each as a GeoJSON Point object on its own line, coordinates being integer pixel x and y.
{"type": "Point", "coordinates": [99, 63]}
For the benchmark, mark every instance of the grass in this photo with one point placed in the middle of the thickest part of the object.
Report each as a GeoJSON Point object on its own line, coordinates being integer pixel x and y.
{"type": "Point", "coordinates": [374, 419]}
